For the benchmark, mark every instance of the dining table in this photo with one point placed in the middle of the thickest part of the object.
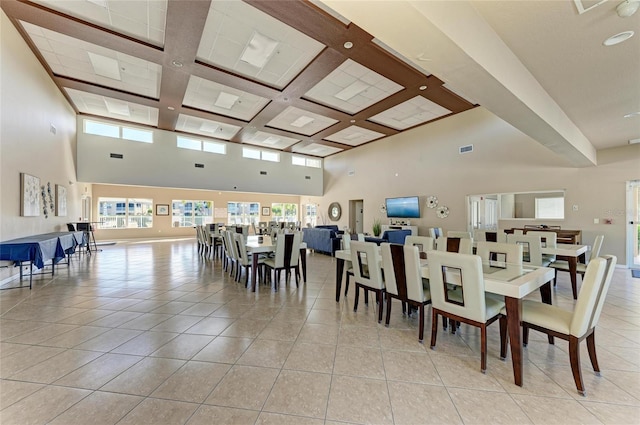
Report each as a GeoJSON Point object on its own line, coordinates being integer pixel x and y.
{"type": "Point", "coordinates": [514, 282]}
{"type": "Point", "coordinates": [257, 245]}
{"type": "Point", "coordinates": [570, 252]}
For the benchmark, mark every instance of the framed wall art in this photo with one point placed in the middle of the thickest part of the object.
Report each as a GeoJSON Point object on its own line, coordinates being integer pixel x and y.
{"type": "Point", "coordinates": [29, 195]}
{"type": "Point", "coordinates": [162, 209]}
{"type": "Point", "coordinates": [61, 201]}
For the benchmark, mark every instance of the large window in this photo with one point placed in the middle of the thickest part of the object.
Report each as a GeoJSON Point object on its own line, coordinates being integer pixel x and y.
{"type": "Point", "coordinates": [243, 212]}
{"type": "Point", "coordinates": [192, 213]}
{"type": "Point", "coordinates": [125, 213]}
{"type": "Point", "coordinates": [284, 212]}
{"type": "Point", "coordinates": [549, 208]}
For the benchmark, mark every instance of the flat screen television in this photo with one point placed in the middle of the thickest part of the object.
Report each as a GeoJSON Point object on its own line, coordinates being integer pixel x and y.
{"type": "Point", "coordinates": [407, 207]}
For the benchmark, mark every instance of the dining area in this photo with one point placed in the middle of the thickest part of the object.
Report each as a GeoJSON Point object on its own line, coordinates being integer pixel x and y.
{"type": "Point", "coordinates": [479, 282]}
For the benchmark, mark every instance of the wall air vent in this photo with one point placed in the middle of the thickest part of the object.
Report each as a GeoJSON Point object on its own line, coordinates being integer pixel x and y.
{"type": "Point", "coordinates": [116, 155]}
{"type": "Point", "coordinates": [199, 165]}
{"type": "Point", "coordinates": [351, 173]}
{"type": "Point", "coordinates": [263, 173]}
{"type": "Point", "coordinates": [307, 177]}
{"type": "Point", "coordinates": [465, 149]}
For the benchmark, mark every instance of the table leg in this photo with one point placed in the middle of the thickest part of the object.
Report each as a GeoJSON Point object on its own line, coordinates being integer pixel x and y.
{"type": "Point", "coordinates": [514, 307]}
{"type": "Point", "coordinates": [254, 271]}
{"type": "Point", "coordinates": [545, 295]}
{"type": "Point", "coordinates": [573, 272]}
{"type": "Point", "coordinates": [303, 260]}
{"type": "Point", "coordinates": [339, 271]}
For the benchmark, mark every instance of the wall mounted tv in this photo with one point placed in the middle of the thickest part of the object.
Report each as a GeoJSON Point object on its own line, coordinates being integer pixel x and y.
{"type": "Point", "coordinates": [407, 207]}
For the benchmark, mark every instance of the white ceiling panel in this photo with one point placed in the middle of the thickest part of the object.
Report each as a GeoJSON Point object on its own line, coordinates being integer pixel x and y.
{"type": "Point", "coordinates": [316, 149]}
{"type": "Point", "coordinates": [269, 140]}
{"type": "Point", "coordinates": [94, 104]}
{"type": "Point", "coordinates": [204, 94]}
{"type": "Point", "coordinates": [72, 59]}
{"type": "Point", "coordinates": [301, 121]}
{"type": "Point", "coordinates": [141, 19]}
{"type": "Point", "coordinates": [354, 136]}
{"type": "Point", "coordinates": [273, 52]}
{"type": "Point", "coordinates": [204, 127]}
{"type": "Point", "coordinates": [410, 113]}
{"type": "Point", "coordinates": [352, 87]}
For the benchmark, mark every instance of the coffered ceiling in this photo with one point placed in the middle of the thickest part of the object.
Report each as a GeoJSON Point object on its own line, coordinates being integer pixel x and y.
{"type": "Point", "coordinates": [283, 75]}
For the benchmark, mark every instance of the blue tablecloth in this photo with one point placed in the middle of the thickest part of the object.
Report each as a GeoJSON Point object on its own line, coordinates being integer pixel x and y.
{"type": "Point", "coordinates": [39, 249]}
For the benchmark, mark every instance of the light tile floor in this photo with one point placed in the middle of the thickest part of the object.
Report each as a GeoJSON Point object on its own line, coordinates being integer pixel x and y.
{"type": "Point", "coordinates": [149, 332]}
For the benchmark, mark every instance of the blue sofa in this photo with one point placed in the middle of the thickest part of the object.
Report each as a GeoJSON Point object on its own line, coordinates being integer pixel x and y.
{"type": "Point", "coordinates": [391, 236]}
{"type": "Point", "coordinates": [323, 238]}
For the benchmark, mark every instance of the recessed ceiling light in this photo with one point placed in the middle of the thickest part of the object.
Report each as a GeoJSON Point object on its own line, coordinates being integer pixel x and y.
{"type": "Point", "coordinates": [352, 121]}
{"type": "Point", "coordinates": [618, 38]}
{"type": "Point", "coordinates": [177, 64]}
{"type": "Point", "coordinates": [171, 108]}
{"type": "Point", "coordinates": [351, 90]}
{"type": "Point", "coordinates": [422, 87]}
{"type": "Point", "coordinates": [633, 114]}
{"type": "Point", "coordinates": [348, 45]}
{"type": "Point", "coordinates": [259, 49]}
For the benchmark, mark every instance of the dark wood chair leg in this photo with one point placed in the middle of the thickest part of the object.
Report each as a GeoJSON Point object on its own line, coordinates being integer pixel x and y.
{"type": "Point", "coordinates": [346, 286]}
{"type": "Point", "coordinates": [591, 346]}
{"type": "Point", "coordinates": [386, 323]}
{"type": "Point", "coordinates": [421, 324]}
{"type": "Point", "coordinates": [574, 357]}
{"type": "Point", "coordinates": [483, 348]}
{"type": "Point", "coordinates": [452, 324]}
{"type": "Point", "coordinates": [297, 271]}
{"type": "Point", "coordinates": [434, 327]}
{"type": "Point", "coordinates": [503, 337]}
{"type": "Point", "coordinates": [444, 323]}
{"type": "Point", "coordinates": [525, 334]}
{"type": "Point", "coordinates": [404, 309]}
{"type": "Point", "coordinates": [380, 305]}
{"type": "Point", "coordinates": [555, 278]}
{"type": "Point", "coordinates": [355, 299]}
{"type": "Point", "coordinates": [366, 297]}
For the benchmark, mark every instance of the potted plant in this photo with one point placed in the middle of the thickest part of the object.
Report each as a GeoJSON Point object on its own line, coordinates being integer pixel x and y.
{"type": "Point", "coordinates": [377, 227]}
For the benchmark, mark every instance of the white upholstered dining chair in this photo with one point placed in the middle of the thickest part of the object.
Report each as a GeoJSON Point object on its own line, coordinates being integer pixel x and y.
{"type": "Point", "coordinates": [458, 234]}
{"type": "Point", "coordinates": [468, 304]}
{"type": "Point", "coordinates": [576, 325]}
{"type": "Point", "coordinates": [367, 272]}
{"type": "Point", "coordinates": [563, 265]}
{"type": "Point", "coordinates": [424, 244]}
{"type": "Point", "coordinates": [461, 246]}
{"type": "Point", "coordinates": [287, 257]}
{"type": "Point", "coordinates": [531, 249]}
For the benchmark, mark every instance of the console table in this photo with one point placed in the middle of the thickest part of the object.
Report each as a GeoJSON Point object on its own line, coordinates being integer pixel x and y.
{"type": "Point", "coordinates": [573, 237]}
{"type": "Point", "coordinates": [414, 229]}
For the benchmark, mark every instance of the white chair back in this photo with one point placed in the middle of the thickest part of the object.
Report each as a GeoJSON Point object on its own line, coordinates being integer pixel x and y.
{"type": "Point", "coordinates": [233, 251]}
{"type": "Point", "coordinates": [531, 248]}
{"type": "Point", "coordinates": [465, 246]}
{"type": "Point", "coordinates": [596, 282]}
{"type": "Point", "coordinates": [548, 240]}
{"type": "Point", "coordinates": [498, 254]}
{"type": "Point", "coordinates": [413, 275]}
{"type": "Point", "coordinates": [287, 249]}
{"type": "Point", "coordinates": [479, 235]}
{"type": "Point", "coordinates": [501, 237]}
{"type": "Point", "coordinates": [435, 232]}
{"type": "Point", "coordinates": [597, 245]}
{"type": "Point", "coordinates": [458, 234]}
{"type": "Point", "coordinates": [360, 237]}
{"type": "Point", "coordinates": [462, 271]}
{"type": "Point", "coordinates": [391, 273]}
{"type": "Point", "coordinates": [366, 264]}
{"type": "Point", "coordinates": [423, 243]}
{"type": "Point", "coordinates": [345, 241]}
{"type": "Point", "coordinates": [240, 246]}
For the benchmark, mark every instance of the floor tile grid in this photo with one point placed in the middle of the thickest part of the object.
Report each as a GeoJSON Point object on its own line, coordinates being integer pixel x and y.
{"type": "Point", "coordinates": [328, 292]}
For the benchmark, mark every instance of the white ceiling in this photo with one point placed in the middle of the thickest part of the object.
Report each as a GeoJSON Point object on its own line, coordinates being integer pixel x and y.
{"type": "Point", "coordinates": [279, 74]}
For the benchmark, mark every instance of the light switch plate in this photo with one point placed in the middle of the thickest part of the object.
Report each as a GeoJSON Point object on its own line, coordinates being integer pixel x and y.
{"type": "Point", "coordinates": [596, 221]}
{"type": "Point", "coordinates": [575, 207]}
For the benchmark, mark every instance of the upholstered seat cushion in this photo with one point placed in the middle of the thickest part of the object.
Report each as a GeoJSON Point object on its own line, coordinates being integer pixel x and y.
{"type": "Point", "coordinates": [546, 316]}
{"type": "Point", "coordinates": [564, 265]}
{"type": "Point", "coordinates": [494, 306]}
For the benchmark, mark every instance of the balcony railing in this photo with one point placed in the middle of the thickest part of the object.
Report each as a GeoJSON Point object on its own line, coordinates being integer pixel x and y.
{"type": "Point", "coordinates": [124, 222]}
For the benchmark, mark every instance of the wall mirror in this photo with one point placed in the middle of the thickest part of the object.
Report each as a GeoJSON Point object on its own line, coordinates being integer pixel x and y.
{"type": "Point", "coordinates": [485, 210]}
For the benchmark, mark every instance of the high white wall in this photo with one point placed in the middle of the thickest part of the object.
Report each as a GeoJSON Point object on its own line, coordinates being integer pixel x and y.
{"type": "Point", "coordinates": [163, 164]}
{"type": "Point", "coordinates": [425, 161]}
{"type": "Point", "coordinates": [30, 104]}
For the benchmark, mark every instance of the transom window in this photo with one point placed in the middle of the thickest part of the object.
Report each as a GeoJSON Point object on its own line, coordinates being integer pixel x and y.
{"type": "Point", "coordinates": [125, 213]}
{"type": "Point", "coordinates": [253, 153]}
{"type": "Point", "coordinates": [118, 132]}
{"type": "Point", "coordinates": [306, 162]}
{"type": "Point", "coordinates": [201, 145]}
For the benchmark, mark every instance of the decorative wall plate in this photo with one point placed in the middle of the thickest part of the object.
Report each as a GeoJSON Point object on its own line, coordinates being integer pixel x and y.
{"type": "Point", "coordinates": [442, 212]}
{"type": "Point", "coordinates": [335, 211]}
{"type": "Point", "coordinates": [432, 201]}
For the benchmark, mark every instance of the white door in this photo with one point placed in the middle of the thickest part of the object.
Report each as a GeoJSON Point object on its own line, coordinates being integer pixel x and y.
{"type": "Point", "coordinates": [483, 213]}
{"type": "Point", "coordinates": [633, 224]}
{"type": "Point", "coordinates": [359, 216]}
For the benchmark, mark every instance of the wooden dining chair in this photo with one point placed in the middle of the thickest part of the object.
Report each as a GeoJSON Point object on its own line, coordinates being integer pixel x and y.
{"type": "Point", "coordinates": [367, 272]}
{"type": "Point", "coordinates": [469, 304]}
{"type": "Point", "coordinates": [577, 325]}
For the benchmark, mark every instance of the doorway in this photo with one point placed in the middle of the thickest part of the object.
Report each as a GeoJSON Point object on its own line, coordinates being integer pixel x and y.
{"type": "Point", "coordinates": [483, 212]}
{"type": "Point", "coordinates": [86, 208]}
{"type": "Point", "coordinates": [356, 215]}
{"type": "Point", "coordinates": [633, 224]}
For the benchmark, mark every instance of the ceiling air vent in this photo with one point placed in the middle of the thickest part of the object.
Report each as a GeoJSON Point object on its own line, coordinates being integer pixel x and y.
{"type": "Point", "coordinates": [465, 149]}
{"type": "Point", "coordinates": [199, 165]}
{"type": "Point", "coordinates": [116, 155]}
